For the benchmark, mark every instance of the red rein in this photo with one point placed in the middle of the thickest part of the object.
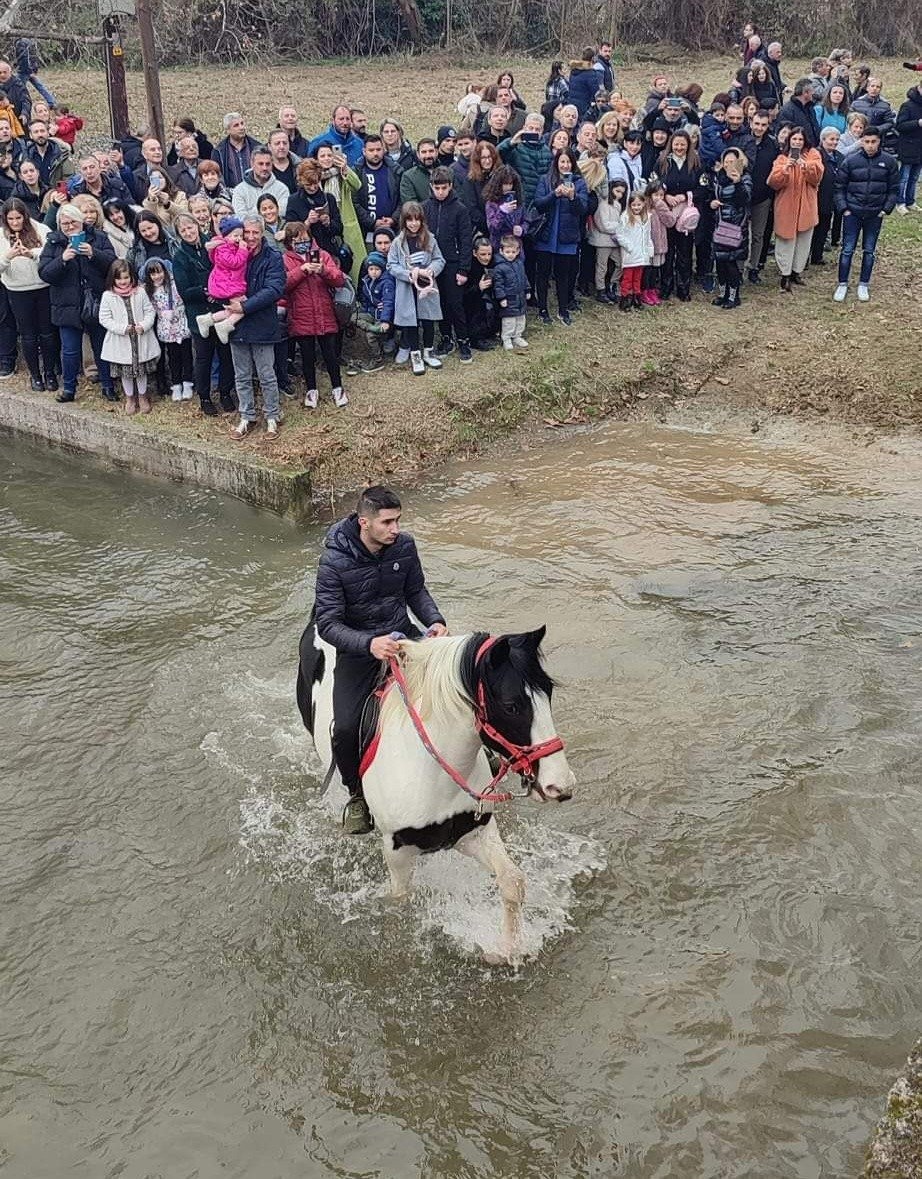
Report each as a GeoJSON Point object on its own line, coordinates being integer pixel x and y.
{"type": "Point", "coordinates": [522, 759]}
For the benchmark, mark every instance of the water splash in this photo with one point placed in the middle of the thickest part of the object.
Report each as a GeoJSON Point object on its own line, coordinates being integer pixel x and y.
{"type": "Point", "coordinates": [293, 838]}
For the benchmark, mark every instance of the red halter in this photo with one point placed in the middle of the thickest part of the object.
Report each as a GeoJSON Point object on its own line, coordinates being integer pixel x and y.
{"type": "Point", "coordinates": [522, 759]}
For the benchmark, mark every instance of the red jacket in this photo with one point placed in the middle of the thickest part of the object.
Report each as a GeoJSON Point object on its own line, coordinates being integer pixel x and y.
{"type": "Point", "coordinates": [309, 298]}
{"type": "Point", "coordinates": [68, 126]}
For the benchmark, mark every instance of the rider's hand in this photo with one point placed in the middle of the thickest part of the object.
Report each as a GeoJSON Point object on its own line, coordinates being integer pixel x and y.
{"type": "Point", "coordinates": [384, 647]}
{"type": "Point", "coordinates": [437, 630]}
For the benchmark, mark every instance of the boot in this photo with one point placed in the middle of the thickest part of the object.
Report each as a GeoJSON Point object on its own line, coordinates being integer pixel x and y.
{"type": "Point", "coordinates": [204, 323]}
{"type": "Point", "coordinates": [797, 279]}
{"type": "Point", "coordinates": [357, 818]}
{"type": "Point", "coordinates": [786, 283]}
{"type": "Point", "coordinates": [228, 404]}
{"type": "Point", "coordinates": [733, 298]}
{"type": "Point", "coordinates": [144, 403]}
{"type": "Point", "coordinates": [721, 300]}
{"type": "Point", "coordinates": [636, 303]}
{"type": "Point", "coordinates": [624, 303]}
{"type": "Point", "coordinates": [602, 297]}
{"type": "Point", "coordinates": [209, 409]}
{"type": "Point", "coordinates": [131, 405]}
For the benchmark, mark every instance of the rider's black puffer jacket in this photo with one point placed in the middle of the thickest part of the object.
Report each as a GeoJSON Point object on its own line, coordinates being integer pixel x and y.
{"type": "Point", "coordinates": [361, 595]}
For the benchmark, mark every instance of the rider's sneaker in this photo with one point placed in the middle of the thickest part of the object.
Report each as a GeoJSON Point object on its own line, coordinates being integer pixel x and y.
{"type": "Point", "coordinates": [357, 818]}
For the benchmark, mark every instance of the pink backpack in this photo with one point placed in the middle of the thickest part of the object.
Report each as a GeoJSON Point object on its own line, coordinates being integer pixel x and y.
{"type": "Point", "coordinates": [688, 218]}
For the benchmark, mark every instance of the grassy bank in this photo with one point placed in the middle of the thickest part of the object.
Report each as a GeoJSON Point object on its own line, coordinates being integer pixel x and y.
{"type": "Point", "coordinates": [799, 353]}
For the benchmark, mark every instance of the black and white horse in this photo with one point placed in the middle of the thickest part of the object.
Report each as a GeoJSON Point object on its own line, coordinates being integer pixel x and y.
{"type": "Point", "coordinates": [467, 691]}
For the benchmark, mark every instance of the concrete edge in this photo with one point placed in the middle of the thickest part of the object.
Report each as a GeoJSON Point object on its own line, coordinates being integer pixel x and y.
{"type": "Point", "coordinates": [127, 445]}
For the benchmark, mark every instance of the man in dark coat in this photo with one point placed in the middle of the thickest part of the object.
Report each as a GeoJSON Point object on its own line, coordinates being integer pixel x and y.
{"type": "Point", "coordinates": [369, 577]}
{"type": "Point", "coordinates": [867, 189]}
{"type": "Point", "coordinates": [909, 147]}
{"type": "Point", "coordinates": [798, 111]}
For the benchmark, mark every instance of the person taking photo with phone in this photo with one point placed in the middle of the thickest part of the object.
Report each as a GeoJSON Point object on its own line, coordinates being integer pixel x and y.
{"type": "Point", "coordinates": [311, 276]}
{"type": "Point", "coordinates": [795, 177]}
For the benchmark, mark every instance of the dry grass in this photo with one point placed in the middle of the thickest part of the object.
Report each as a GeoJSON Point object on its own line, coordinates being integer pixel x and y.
{"type": "Point", "coordinates": [792, 354]}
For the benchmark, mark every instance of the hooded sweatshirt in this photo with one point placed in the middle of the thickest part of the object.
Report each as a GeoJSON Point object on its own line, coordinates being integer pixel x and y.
{"type": "Point", "coordinates": [245, 196]}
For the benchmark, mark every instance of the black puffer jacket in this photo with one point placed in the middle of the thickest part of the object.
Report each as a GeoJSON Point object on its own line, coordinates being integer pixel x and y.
{"type": "Point", "coordinates": [67, 279]}
{"type": "Point", "coordinates": [361, 595]}
{"type": "Point", "coordinates": [867, 184]}
{"type": "Point", "coordinates": [735, 199]}
{"type": "Point", "coordinates": [909, 128]}
{"type": "Point", "coordinates": [450, 222]}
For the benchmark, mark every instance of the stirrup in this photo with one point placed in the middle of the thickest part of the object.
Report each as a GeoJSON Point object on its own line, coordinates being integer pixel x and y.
{"type": "Point", "coordinates": [357, 819]}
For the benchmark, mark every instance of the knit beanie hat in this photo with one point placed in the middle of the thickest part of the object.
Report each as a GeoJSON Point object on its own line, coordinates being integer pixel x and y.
{"type": "Point", "coordinates": [661, 124]}
{"type": "Point", "coordinates": [228, 224]}
{"type": "Point", "coordinates": [445, 133]}
{"type": "Point", "coordinates": [376, 258]}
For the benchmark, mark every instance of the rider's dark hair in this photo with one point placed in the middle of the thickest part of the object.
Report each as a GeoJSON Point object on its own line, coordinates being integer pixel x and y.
{"type": "Point", "coordinates": [376, 499]}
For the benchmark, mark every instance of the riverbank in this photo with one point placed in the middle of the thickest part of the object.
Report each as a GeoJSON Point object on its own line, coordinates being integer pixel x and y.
{"type": "Point", "coordinates": [896, 1152]}
{"type": "Point", "coordinates": [799, 354]}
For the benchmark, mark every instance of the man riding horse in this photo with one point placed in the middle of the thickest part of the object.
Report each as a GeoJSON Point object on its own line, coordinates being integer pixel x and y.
{"type": "Point", "coordinates": [369, 576]}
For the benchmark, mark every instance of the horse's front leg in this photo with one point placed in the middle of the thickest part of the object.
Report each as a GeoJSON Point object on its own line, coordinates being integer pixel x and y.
{"type": "Point", "coordinates": [485, 845]}
{"type": "Point", "coordinates": [400, 863]}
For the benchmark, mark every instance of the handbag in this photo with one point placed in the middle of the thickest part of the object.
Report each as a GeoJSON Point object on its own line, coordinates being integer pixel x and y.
{"type": "Point", "coordinates": [727, 235]}
{"type": "Point", "coordinates": [344, 303]}
{"type": "Point", "coordinates": [533, 222]}
{"type": "Point", "coordinates": [89, 307]}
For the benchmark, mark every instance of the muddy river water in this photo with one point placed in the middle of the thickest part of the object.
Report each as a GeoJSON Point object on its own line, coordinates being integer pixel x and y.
{"type": "Point", "coordinates": [202, 978]}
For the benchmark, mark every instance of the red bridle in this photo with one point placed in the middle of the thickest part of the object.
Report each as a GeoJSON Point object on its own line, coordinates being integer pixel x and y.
{"type": "Point", "coordinates": [522, 759]}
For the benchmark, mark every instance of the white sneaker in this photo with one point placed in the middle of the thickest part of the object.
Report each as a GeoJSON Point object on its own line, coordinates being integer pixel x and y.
{"type": "Point", "coordinates": [901, 209]}
{"type": "Point", "coordinates": [914, 208]}
{"type": "Point", "coordinates": [340, 400]}
{"type": "Point", "coordinates": [187, 390]}
{"type": "Point", "coordinates": [176, 392]}
{"type": "Point", "coordinates": [863, 293]}
{"type": "Point", "coordinates": [507, 345]}
{"type": "Point", "coordinates": [416, 360]}
{"type": "Point", "coordinates": [841, 292]}
{"type": "Point", "coordinates": [520, 342]}
{"type": "Point", "coordinates": [430, 358]}
{"type": "Point", "coordinates": [403, 355]}
{"type": "Point", "coordinates": [272, 427]}
{"type": "Point", "coordinates": [204, 324]}
{"type": "Point", "coordinates": [223, 329]}
{"type": "Point", "coordinates": [310, 399]}
{"type": "Point", "coordinates": [243, 428]}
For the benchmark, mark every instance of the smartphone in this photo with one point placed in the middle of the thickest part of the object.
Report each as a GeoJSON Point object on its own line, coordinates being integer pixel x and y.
{"type": "Point", "coordinates": [314, 255]}
{"type": "Point", "coordinates": [76, 240]}
{"type": "Point", "coordinates": [530, 136]}
{"type": "Point", "coordinates": [155, 180]}
{"type": "Point", "coordinates": [795, 153]}
{"type": "Point", "coordinates": [423, 280]}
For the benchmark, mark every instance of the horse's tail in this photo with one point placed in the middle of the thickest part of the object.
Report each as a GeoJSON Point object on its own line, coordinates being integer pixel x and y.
{"type": "Point", "coordinates": [311, 662]}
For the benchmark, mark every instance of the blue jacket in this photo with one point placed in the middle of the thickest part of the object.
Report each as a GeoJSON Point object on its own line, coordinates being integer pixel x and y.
{"type": "Point", "coordinates": [585, 83]}
{"type": "Point", "coordinates": [361, 595]}
{"type": "Point", "coordinates": [564, 217]}
{"type": "Point", "coordinates": [350, 144]}
{"type": "Point", "coordinates": [265, 286]}
{"type": "Point", "coordinates": [378, 297]}
{"type": "Point", "coordinates": [510, 283]}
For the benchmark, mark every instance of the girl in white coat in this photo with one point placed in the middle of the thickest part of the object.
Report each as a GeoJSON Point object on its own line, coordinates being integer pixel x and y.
{"type": "Point", "coordinates": [635, 237]}
{"type": "Point", "coordinates": [130, 346]}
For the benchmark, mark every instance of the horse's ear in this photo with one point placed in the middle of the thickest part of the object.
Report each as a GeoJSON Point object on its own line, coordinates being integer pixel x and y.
{"type": "Point", "coordinates": [530, 639]}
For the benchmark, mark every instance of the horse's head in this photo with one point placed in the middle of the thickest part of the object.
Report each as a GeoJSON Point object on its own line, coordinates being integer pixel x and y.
{"type": "Point", "coordinates": [513, 699]}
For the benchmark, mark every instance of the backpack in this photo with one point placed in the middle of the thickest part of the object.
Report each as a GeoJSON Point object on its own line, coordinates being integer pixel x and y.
{"type": "Point", "coordinates": [687, 219]}
{"type": "Point", "coordinates": [344, 303]}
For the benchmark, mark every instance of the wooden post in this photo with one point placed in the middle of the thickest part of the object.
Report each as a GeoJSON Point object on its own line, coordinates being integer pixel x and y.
{"type": "Point", "coordinates": [151, 71]}
{"type": "Point", "coordinates": [115, 78]}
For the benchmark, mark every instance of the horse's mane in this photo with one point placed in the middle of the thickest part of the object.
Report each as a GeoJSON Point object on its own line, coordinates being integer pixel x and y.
{"type": "Point", "coordinates": [432, 670]}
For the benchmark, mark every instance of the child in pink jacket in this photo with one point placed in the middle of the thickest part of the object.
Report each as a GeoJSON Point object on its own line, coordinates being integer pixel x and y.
{"type": "Point", "coordinates": [227, 280]}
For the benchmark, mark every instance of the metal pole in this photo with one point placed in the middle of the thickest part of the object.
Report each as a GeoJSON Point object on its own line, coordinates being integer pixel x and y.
{"type": "Point", "coordinates": [115, 78]}
{"type": "Point", "coordinates": [151, 71]}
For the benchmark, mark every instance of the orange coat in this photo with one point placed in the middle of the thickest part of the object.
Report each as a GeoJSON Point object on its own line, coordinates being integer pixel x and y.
{"type": "Point", "coordinates": [796, 203]}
